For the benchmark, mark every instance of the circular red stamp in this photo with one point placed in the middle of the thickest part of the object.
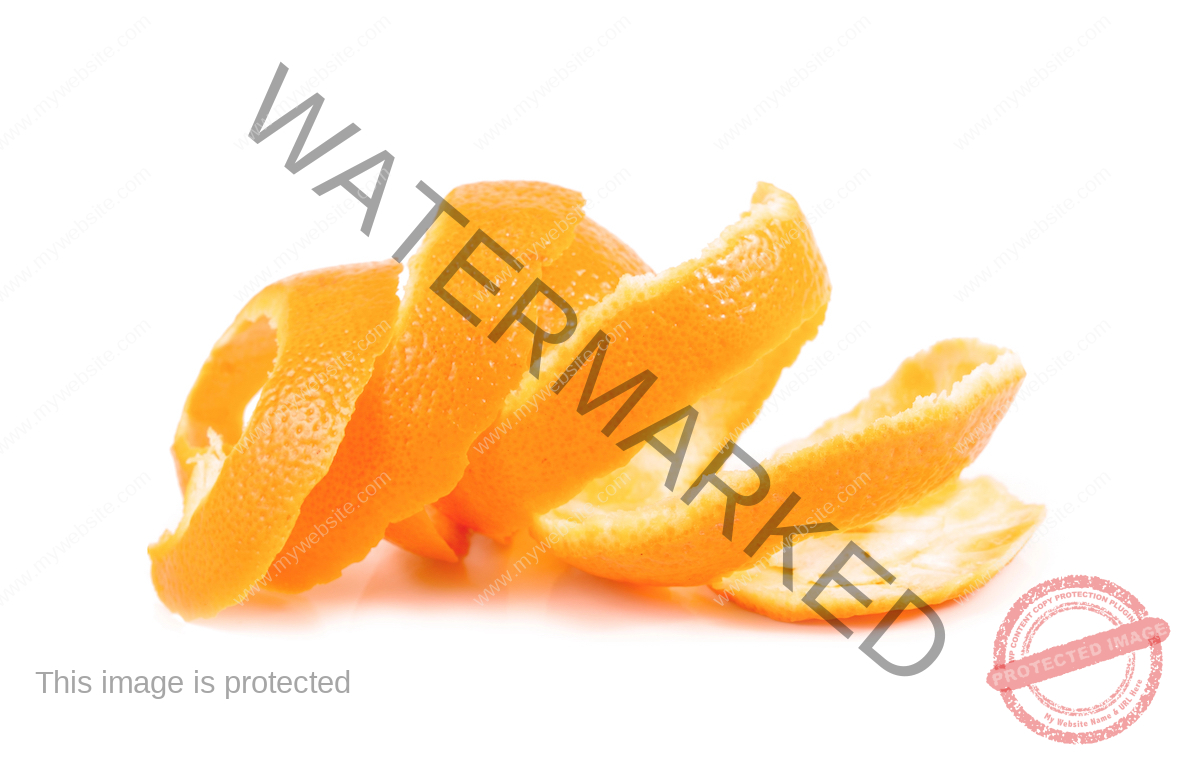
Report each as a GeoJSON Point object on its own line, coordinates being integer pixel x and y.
{"type": "Point", "coordinates": [1078, 659]}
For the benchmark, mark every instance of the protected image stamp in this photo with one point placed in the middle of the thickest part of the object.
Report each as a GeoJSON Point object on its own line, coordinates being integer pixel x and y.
{"type": "Point", "coordinates": [1123, 628]}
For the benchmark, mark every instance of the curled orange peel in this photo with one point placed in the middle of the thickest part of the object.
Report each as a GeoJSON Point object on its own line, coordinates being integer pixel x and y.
{"type": "Point", "coordinates": [695, 327]}
{"type": "Point", "coordinates": [585, 274]}
{"type": "Point", "coordinates": [309, 342]}
{"type": "Point", "coordinates": [922, 427]}
{"type": "Point", "coordinates": [440, 430]}
{"type": "Point", "coordinates": [440, 381]}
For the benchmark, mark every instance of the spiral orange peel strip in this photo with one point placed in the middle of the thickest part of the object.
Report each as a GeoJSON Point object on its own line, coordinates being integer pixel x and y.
{"type": "Point", "coordinates": [436, 430]}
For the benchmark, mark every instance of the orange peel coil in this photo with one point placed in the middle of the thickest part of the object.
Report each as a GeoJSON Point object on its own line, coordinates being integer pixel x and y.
{"type": "Point", "coordinates": [420, 419]}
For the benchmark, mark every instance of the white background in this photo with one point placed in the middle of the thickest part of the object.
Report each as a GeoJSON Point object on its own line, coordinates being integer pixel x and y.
{"type": "Point", "coordinates": [908, 206]}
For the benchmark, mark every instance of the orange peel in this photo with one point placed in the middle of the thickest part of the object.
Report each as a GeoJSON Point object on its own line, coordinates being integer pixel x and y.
{"type": "Point", "coordinates": [910, 435]}
{"type": "Point", "coordinates": [694, 326]}
{"type": "Point", "coordinates": [944, 546]}
{"type": "Point", "coordinates": [437, 429]}
{"type": "Point", "coordinates": [309, 342]}
{"type": "Point", "coordinates": [584, 275]}
{"type": "Point", "coordinates": [440, 381]}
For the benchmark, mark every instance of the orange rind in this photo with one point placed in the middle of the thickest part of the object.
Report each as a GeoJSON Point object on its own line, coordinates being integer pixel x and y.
{"type": "Point", "coordinates": [944, 546]}
{"type": "Point", "coordinates": [440, 381]}
{"type": "Point", "coordinates": [585, 274]}
{"type": "Point", "coordinates": [694, 327]}
{"type": "Point", "coordinates": [910, 435]}
{"type": "Point", "coordinates": [537, 375]}
{"type": "Point", "coordinates": [309, 342]}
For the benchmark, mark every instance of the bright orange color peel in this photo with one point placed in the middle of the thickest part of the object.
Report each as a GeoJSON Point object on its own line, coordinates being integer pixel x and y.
{"type": "Point", "coordinates": [298, 340]}
{"type": "Point", "coordinates": [589, 270]}
{"type": "Point", "coordinates": [910, 435]}
{"type": "Point", "coordinates": [437, 443]}
{"type": "Point", "coordinates": [439, 383]}
{"type": "Point", "coordinates": [695, 326]}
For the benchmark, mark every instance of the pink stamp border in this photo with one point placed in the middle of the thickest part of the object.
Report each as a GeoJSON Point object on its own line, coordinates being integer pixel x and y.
{"type": "Point", "coordinates": [1018, 610]}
